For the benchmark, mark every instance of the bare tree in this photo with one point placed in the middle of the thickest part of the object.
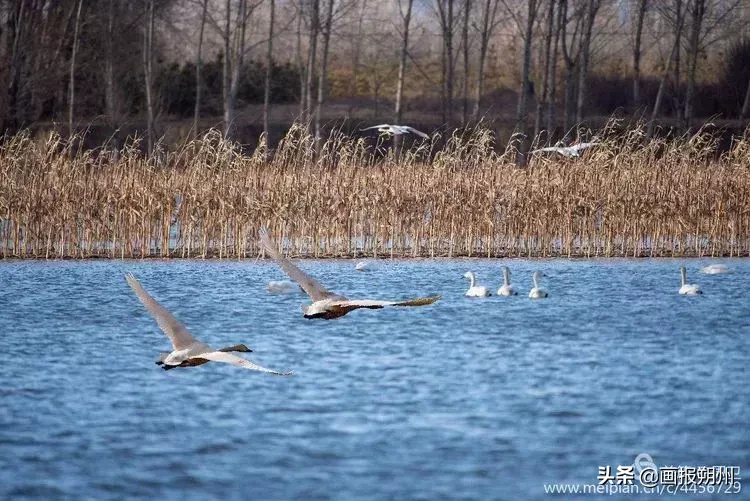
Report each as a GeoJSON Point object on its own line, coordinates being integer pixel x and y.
{"type": "Point", "coordinates": [697, 9]}
{"type": "Point", "coordinates": [569, 44]}
{"type": "Point", "coordinates": [745, 106]}
{"type": "Point", "coordinates": [269, 67]}
{"type": "Point", "coordinates": [322, 76]}
{"type": "Point", "coordinates": [447, 62]}
{"type": "Point", "coordinates": [640, 13]}
{"type": "Point", "coordinates": [489, 16]}
{"type": "Point", "coordinates": [543, 102]}
{"type": "Point", "coordinates": [665, 77]}
{"type": "Point", "coordinates": [465, 76]}
{"type": "Point", "coordinates": [552, 95]}
{"type": "Point", "coordinates": [72, 83]}
{"type": "Point", "coordinates": [522, 113]}
{"type": "Point", "coordinates": [148, 74]}
{"type": "Point", "coordinates": [311, 52]}
{"type": "Point", "coordinates": [198, 68]}
{"type": "Point", "coordinates": [592, 7]}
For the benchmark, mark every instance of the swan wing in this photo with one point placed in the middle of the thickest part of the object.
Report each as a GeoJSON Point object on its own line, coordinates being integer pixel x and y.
{"type": "Point", "coordinates": [417, 132]}
{"type": "Point", "coordinates": [308, 283]}
{"type": "Point", "coordinates": [376, 127]}
{"type": "Point", "coordinates": [230, 358]}
{"type": "Point", "coordinates": [175, 331]}
{"type": "Point", "coordinates": [375, 303]}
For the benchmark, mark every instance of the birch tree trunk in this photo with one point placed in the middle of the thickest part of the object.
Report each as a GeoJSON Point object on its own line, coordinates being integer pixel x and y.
{"type": "Point", "coordinates": [402, 61]}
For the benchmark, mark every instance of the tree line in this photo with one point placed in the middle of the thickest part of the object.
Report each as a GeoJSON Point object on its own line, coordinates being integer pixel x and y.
{"type": "Point", "coordinates": [190, 58]}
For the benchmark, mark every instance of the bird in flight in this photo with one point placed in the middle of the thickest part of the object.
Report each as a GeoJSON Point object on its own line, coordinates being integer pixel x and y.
{"type": "Point", "coordinates": [186, 350]}
{"type": "Point", "coordinates": [572, 151]}
{"type": "Point", "coordinates": [396, 130]}
{"type": "Point", "coordinates": [326, 304]}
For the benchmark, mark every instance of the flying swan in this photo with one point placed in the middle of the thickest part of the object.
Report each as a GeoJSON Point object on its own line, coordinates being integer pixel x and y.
{"type": "Point", "coordinates": [688, 289]}
{"type": "Point", "coordinates": [573, 151]}
{"type": "Point", "coordinates": [475, 290]}
{"type": "Point", "coordinates": [506, 289]}
{"type": "Point", "coordinates": [396, 130]}
{"type": "Point", "coordinates": [537, 292]}
{"type": "Point", "coordinates": [326, 304]}
{"type": "Point", "coordinates": [186, 350]}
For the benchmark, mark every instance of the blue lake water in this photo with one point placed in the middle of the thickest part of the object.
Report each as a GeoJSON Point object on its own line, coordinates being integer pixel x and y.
{"type": "Point", "coordinates": [465, 399]}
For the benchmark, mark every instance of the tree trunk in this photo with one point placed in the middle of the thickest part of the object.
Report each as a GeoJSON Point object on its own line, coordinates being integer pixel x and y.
{"type": "Point", "coordinates": [198, 68]}
{"type": "Point", "coordinates": [465, 76]}
{"type": "Point", "coordinates": [552, 102]}
{"type": "Point", "coordinates": [269, 67]}
{"type": "Point", "coordinates": [698, 11]}
{"type": "Point", "coordinates": [676, 76]}
{"type": "Point", "coordinates": [663, 83]}
{"type": "Point", "coordinates": [745, 113]}
{"type": "Point", "coordinates": [445, 11]}
{"type": "Point", "coordinates": [402, 62]}
{"type": "Point", "coordinates": [110, 99]}
{"type": "Point", "coordinates": [72, 82]}
{"type": "Point", "coordinates": [640, 15]}
{"type": "Point", "coordinates": [488, 23]}
{"type": "Point", "coordinates": [522, 113]}
{"type": "Point", "coordinates": [311, 53]}
{"type": "Point", "coordinates": [302, 68]}
{"type": "Point", "coordinates": [148, 46]}
{"type": "Point", "coordinates": [592, 9]}
{"type": "Point", "coordinates": [541, 103]}
{"type": "Point", "coordinates": [227, 72]}
{"type": "Point", "coordinates": [322, 77]}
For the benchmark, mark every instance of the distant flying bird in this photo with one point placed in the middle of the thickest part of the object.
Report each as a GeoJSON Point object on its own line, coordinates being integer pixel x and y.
{"type": "Point", "coordinates": [396, 130]}
{"type": "Point", "coordinates": [326, 304]}
{"type": "Point", "coordinates": [188, 351]}
{"type": "Point", "coordinates": [573, 151]}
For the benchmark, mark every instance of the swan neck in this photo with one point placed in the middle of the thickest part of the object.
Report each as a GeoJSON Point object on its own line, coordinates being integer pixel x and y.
{"type": "Point", "coordinates": [683, 274]}
{"type": "Point", "coordinates": [471, 280]}
{"type": "Point", "coordinates": [536, 285]}
{"type": "Point", "coordinates": [506, 276]}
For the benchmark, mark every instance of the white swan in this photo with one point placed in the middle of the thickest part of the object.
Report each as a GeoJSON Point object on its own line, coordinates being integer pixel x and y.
{"type": "Point", "coordinates": [713, 269]}
{"type": "Point", "coordinates": [361, 266]}
{"type": "Point", "coordinates": [506, 289]}
{"type": "Point", "coordinates": [327, 304]}
{"type": "Point", "coordinates": [396, 130]}
{"type": "Point", "coordinates": [280, 287]}
{"type": "Point", "coordinates": [475, 290]}
{"type": "Point", "coordinates": [688, 289]}
{"type": "Point", "coordinates": [186, 350]}
{"type": "Point", "coordinates": [572, 151]}
{"type": "Point", "coordinates": [537, 292]}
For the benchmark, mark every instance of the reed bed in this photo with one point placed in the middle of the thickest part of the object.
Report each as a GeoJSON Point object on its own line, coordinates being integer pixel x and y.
{"type": "Point", "coordinates": [675, 197]}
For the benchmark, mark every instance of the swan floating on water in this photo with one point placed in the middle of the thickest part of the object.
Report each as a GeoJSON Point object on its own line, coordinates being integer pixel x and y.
{"type": "Point", "coordinates": [361, 266]}
{"type": "Point", "coordinates": [186, 350]}
{"type": "Point", "coordinates": [506, 289]}
{"type": "Point", "coordinates": [475, 290]}
{"type": "Point", "coordinates": [572, 151]}
{"type": "Point", "coordinates": [713, 269]}
{"type": "Point", "coordinates": [326, 304]}
{"type": "Point", "coordinates": [396, 130]}
{"type": "Point", "coordinates": [537, 292]}
{"type": "Point", "coordinates": [688, 289]}
{"type": "Point", "coordinates": [280, 287]}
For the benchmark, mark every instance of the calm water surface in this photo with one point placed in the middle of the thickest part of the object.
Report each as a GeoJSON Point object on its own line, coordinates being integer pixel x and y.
{"type": "Point", "coordinates": [465, 399]}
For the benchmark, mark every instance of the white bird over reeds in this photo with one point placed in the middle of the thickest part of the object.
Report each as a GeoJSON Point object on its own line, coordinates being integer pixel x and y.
{"type": "Point", "coordinates": [713, 269]}
{"type": "Point", "coordinates": [396, 130]}
{"type": "Point", "coordinates": [326, 304]}
{"type": "Point", "coordinates": [186, 350]}
{"type": "Point", "coordinates": [475, 290]}
{"type": "Point", "coordinates": [506, 289]}
{"type": "Point", "coordinates": [688, 289]}
{"type": "Point", "coordinates": [361, 266]}
{"type": "Point", "coordinates": [281, 287]}
{"type": "Point", "coordinates": [572, 151]}
{"type": "Point", "coordinates": [537, 292]}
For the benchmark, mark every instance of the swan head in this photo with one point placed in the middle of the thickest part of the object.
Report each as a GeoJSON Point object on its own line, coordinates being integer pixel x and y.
{"type": "Point", "coordinates": [538, 275]}
{"type": "Point", "coordinates": [469, 275]}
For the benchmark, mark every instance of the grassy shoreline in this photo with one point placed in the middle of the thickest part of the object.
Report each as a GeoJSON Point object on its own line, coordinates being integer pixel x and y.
{"type": "Point", "coordinates": [629, 197]}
